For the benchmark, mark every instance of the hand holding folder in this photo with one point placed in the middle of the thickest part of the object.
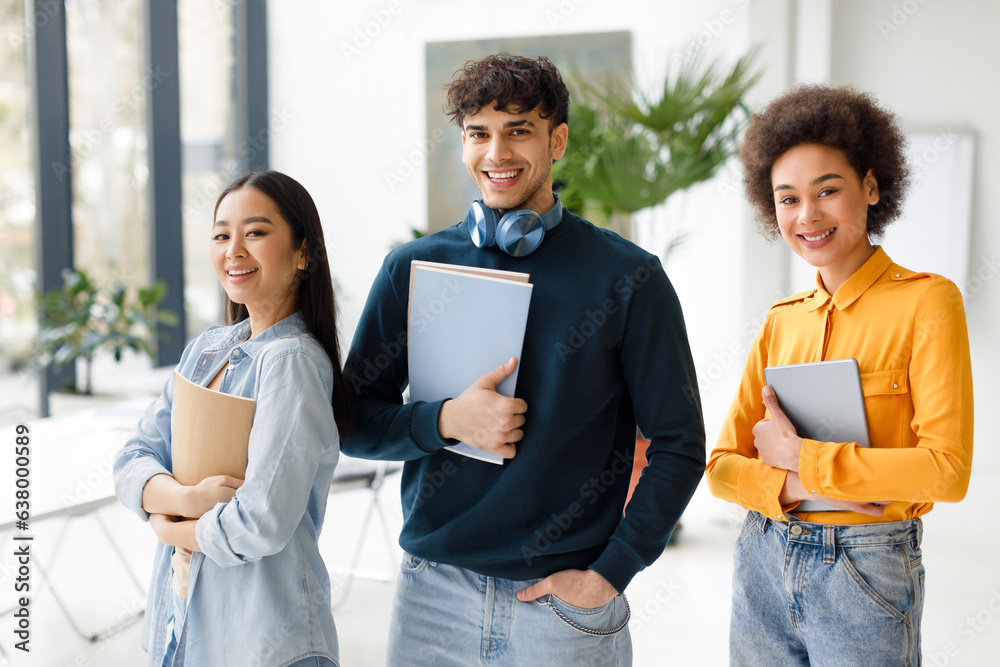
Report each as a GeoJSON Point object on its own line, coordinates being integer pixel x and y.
{"type": "Point", "coordinates": [210, 438]}
{"type": "Point", "coordinates": [484, 416]}
{"type": "Point", "coordinates": [817, 400]}
{"type": "Point", "coordinates": [464, 321]}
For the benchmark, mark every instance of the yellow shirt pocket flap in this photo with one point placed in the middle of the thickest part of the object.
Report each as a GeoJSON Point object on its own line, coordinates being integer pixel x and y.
{"type": "Point", "coordinates": [880, 383]}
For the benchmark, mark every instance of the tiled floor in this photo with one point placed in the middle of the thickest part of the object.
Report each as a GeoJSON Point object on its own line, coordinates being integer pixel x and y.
{"type": "Point", "coordinates": [680, 604]}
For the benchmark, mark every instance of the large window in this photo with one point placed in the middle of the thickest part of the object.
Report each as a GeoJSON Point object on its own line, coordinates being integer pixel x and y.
{"type": "Point", "coordinates": [208, 134]}
{"type": "Point", "coordinates": [17, 204]}
{"type": "Point", "coordinates": [108, 87]}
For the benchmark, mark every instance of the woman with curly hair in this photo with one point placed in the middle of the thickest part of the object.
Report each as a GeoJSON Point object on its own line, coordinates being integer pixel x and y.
{"type": "Point", "coordinates": [824, 170]}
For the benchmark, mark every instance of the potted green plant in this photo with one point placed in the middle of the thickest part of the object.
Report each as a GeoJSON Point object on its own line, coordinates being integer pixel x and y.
{"type": "Point", "coordinates": [629, 151]}
{"type": "Point", "coordinates": [80, 319]}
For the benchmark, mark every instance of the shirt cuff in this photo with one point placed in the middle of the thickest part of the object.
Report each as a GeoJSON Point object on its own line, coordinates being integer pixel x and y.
{"type": "Point", "coordinates": [212, 539]}
{"type": "Point", "coordinates": [809, 466]}
{"type": "Point", "coordinates": [130, 491]}
{"type": "Point", "coordinates": [424, 426]}
{"type": "Point", "coordinates": [761, 489]}
{"type": "Point", "coordinates": [618, 565]}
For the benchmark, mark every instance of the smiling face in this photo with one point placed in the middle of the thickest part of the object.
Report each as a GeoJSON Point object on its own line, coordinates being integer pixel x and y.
{"type": "Point", "coordinates": [253, 257]}
{"type": "Point", "coordinates": [509, 157]}
{"type": "Point", "coordinates": [822, 210]}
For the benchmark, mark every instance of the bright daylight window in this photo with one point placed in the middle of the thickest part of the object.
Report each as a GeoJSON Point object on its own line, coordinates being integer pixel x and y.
{"type": "Point", "coordinates": [206, 39]}
{"type": "Point", "coordinates": [108, 89]}
{"type": "Point", "coordinates": [109, 86]}
{"type": "Point", "coordinates": [17, 218]}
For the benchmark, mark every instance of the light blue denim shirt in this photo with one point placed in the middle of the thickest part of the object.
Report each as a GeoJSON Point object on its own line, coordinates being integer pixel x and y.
{"type": "Point", "coordinates": [259, 593]}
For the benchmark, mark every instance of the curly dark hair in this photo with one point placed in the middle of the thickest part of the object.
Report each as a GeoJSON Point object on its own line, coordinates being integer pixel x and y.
{"type": "Point", "coordinates": [516, 84]}
{"type": "Point", "coordinates": [842, 118]}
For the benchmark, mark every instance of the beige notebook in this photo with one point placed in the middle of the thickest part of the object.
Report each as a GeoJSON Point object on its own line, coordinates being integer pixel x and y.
{"type": "Point", "coordinates": [211, 432]}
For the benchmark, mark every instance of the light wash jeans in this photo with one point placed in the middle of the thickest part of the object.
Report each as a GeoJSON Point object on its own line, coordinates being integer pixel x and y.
{"type": "Point", "coordinates": [313, 662]}
{"type": "Point", "coordinates": [305, 662]}
{"type": "Point", "coordinates": [446, 616]}
{"type": "Point", "coordinates": [826, 596]}
{"type": "Point", "coordinates": [169, 658]}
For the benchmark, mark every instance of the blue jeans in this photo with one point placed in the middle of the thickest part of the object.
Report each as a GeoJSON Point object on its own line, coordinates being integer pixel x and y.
{"type": "Point", "coordinates": [822, 595]}
{"type": "Point", "coordinates": [168, 658]}
{"type": "Point", "coordinates": [444, 616]}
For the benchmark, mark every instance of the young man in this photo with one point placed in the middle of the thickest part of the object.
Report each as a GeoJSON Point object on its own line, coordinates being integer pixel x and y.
{"type": "Point", "coordinates": [526, 563]}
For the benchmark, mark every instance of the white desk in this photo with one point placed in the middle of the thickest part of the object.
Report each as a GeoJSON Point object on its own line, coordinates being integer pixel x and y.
{"type": "Point", "coordinates": [70, 477]}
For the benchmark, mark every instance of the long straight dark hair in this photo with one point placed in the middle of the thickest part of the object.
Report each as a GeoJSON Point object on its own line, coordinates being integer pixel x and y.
{"type": "Point", "coordinates": [315, 286]}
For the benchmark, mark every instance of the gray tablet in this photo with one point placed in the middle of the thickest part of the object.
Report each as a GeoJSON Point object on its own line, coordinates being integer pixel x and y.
{"type": "Point", "coordinates": [824, 401]}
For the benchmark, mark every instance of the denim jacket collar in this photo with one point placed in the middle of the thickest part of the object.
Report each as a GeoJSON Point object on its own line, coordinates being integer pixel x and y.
{"type": "Point", "coordinates": [224, 338]}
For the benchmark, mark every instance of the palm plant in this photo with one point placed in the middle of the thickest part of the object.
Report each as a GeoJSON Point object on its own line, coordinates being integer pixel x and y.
{"type": "Point", "coordinates": [629, 151]}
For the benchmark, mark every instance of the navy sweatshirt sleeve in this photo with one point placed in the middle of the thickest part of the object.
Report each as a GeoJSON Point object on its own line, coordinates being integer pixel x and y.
{"type": "Point", "coordinates": [659, 372]}
{"type": "Point", "coordinates": [377, 370]}
{"type": "Point", "coordinates": [605, 350]}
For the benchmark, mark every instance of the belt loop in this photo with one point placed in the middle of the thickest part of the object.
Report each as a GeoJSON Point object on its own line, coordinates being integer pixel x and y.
{"type": "Point", "coordinates": [920, 531]}
{"type": "Point", "coordinates": [829, 544]}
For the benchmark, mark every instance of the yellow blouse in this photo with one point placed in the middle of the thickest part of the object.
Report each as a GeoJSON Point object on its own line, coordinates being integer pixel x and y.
{"type": "Point", "coordinates": [907, 330]}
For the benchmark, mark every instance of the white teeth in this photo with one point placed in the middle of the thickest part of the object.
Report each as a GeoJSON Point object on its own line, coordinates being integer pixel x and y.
{"type": "Point", "coordinates": [818, 238]}
{"type": "Point", "coordinates": [241, 272]}
{"type": "Point", "coordinates": [502, 176]}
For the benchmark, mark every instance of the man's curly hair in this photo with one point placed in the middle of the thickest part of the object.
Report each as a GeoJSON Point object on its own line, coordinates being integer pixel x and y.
{"type": "Point", "coordinates": [516, 84]}
{"type": "Point", "coordinates": [841, 118]}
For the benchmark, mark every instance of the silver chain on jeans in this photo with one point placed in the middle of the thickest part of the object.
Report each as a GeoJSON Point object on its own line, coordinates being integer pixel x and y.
{"type": "Point", "coordinates": [601, 633]}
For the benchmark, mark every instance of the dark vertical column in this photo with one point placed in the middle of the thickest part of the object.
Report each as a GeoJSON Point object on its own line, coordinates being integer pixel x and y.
{"type": "Point", "coordinates": [48, 80]}
{"type": "Point", "coordinates": [161, 76]}
{"type": "Point", "coordinates": [252, 133]}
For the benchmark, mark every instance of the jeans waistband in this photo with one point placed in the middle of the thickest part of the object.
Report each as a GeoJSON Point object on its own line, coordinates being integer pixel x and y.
{"type": "Point", "coordinates": [852, 535]}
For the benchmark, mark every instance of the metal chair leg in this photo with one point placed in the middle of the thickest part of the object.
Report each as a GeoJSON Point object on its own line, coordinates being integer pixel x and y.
{"type": "Point", "coordinates": [110, 630]}
{"type": "Point", "coordinates": [374, 506]}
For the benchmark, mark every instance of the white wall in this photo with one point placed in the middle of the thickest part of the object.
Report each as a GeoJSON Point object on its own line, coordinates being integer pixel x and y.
{"type": "Point", "coordinates": [353, 110]}
{"type": "Point", "coordinates": [937, 65]}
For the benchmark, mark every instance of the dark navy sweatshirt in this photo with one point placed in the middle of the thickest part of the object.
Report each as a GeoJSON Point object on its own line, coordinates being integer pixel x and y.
{"type": "Point", "coordinates": [605, 351]}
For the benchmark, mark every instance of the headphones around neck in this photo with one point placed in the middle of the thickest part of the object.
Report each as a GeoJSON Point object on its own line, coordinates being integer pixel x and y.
{"type": "Point", "coordinates": [518, 232]}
